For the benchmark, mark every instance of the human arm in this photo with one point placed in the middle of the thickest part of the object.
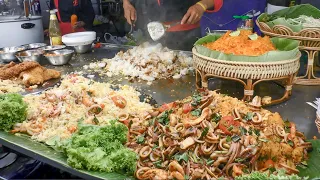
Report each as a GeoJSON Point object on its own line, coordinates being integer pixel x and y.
{"type": "Point", "coordinates": [196, 11]}
{"type": "Point", "coordinates": [130, 12]}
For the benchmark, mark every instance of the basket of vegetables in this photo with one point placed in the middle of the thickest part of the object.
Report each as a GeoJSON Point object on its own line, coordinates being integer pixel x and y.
{"type": "Point", "coordinates": [246, 57]}
{"type": "Point", "coordinates": [300, 22]}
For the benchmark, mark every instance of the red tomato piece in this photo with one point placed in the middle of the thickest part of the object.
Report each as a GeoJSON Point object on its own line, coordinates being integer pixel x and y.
{"type": "Point", "coordinates": [119, 101]}
{"type": "Point", "coordinates": [226, 122]}
{"type": "Point", "coordinates": [166, 107]}
{"type": "Point", "coordinates": [269, 164]}
{"type": "Point", "coordinates": [187, 108]}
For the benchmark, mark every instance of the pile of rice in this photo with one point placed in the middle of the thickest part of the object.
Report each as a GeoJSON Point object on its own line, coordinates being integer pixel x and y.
{"type": "Point", "coordinates": [146, 62]}
{"type": "Point", "coordinates": [50, 120]}
{"type": "Point", "coordinates": [9, 86]}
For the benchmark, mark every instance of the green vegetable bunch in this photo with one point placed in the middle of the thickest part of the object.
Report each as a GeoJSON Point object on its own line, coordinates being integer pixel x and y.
{"type": "Point", "coordinates": [100, 148]}
{"type": "Point", "coordinates": [12, 110]}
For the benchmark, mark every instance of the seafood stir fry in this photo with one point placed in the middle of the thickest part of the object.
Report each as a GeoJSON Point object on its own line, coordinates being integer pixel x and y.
{"type": "Point", "coordinates": [57, 112]}
{"type": "Point", "coordinates": [146, 62]}
{"type": "Point", "coordinates": [210, 135]}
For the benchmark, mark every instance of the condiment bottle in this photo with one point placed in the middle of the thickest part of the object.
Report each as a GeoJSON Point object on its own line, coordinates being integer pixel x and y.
{"type": "Point", "coordinates": [73, 20]}
{"type": "Point", "coordinates": [246, 23]}
{"type": "Point", "coordinates": [54, 29]}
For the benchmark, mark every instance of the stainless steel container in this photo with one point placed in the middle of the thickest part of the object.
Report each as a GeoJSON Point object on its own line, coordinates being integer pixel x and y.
{"type": "Point", "coordinates": [36, 45]}
{"type": "Point", "coordinates": [81, 49]}
{"type": "Point", "coordinates": [52, 48]}
{"type": "Point", "coordinates": [8, 54]}
{"type": "Point", "coordinates": [59, 57]}
{"type": "Point", "coordinates": [30, 55]}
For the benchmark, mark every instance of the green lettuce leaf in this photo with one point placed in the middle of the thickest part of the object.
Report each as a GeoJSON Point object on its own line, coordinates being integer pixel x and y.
{"type": "Point", "coordinates": [12, 110]}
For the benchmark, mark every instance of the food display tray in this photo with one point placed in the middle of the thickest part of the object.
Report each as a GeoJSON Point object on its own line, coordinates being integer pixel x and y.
{"type": "Point", "coordinates": [309, 42]}
{"type": "Point", "coordinates": [247, 73]}
{"type": "Point", "coordinates": [48, 155]}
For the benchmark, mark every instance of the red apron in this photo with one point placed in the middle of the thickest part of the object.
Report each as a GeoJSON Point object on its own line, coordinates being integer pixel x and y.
{"type": "Point", "coordinates": [186, 27]}
{"type": "Point", "coordinates": [65, 27]}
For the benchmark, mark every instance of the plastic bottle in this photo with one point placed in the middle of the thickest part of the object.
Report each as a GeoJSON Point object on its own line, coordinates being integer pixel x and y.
{"type": "Point", "coordinates": [246, 23]}
{"type": "Point", "coordinates": [54, 29]}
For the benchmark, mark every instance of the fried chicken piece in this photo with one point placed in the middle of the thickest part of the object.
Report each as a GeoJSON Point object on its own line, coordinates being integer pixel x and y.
{"type": "Point", "coordinates": [32, 76]}
{"type": "Point", "coordinates": [11, 64]}
{"type": "Point", "coordinates": [51, 74]}
{"type": "Point", "coordinates": [13, 70]}
{"type": "Point", "coordinates": [38, 75]}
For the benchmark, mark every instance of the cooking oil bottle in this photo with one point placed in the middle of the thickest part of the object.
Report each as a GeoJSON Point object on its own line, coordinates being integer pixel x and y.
{"type": "Point", "coordinates": [54, 29]}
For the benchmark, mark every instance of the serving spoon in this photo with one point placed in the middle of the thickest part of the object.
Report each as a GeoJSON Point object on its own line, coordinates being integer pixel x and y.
{"type": "Point", "coordinates": [158, 29]}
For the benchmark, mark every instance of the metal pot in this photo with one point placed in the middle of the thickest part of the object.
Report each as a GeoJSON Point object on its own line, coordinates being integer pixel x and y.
{"type": "Point", "coordinates": [17, 31]}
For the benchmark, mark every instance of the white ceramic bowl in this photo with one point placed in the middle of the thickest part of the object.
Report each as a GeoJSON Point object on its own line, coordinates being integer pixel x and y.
{"type": "Point", "coordinates": [79, 38]}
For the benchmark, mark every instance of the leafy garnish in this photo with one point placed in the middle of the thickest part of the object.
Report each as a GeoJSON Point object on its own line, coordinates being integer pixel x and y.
{"type": "Point", "coordinates": [186, 177]}
{"type": "Point", "coordinates": [290, 143]}
{"type": "Point", "coordinates": [164, 118]}
{"type": "Point", "coordinates": [140, 139]}
{"type": "Point", "coordinates": [235, 138]}
{"type": "Point", "coordinates": [89, 93]}
{"type": "Point", "coordinates": [158, 164]}
{"type": "Point", "coordinates": [181, 157]}
{"type": "Point", "coordinates": [250, 131]}
{"type": "Point", "coordinates": [12, 110]}
{"type": "Point", "coordinates": [155, 147]}
{"type": "Point", "coordinates": [239, 160]}
{"type": "Point", "coordinates": [209, 162]}
{"type": "Point", "coordinates": [196, 112]}
{"type": "Point", "coordinates": [151, 122]}
{"type": "Point", "coordinates": [256, 132]}
{"type": "Point", "coordinates": [95, 120]}
{"type": "Point", "coordinates": [248, 116]}
{"type": "Point", "coordinates": [228, 139]}
{"type": "Point", "coordinates": [272, 169]}
{"type": "Point", "coordinates": [230, 128]}
{"type": "Point", "coordinates": [130, 124]}
{"type": "Point", "coordinates": [204, 132]}
{"type": "Point", "coordinates": [196, 99]}
{"type": "Point", "coordinates": [216, 117]}
{"type": "Point", "coordinates": [287, 126]}
{"type": "Point", "coordinates": [100, 148]}
{"type": "Point", "coordinates": [243, 131]}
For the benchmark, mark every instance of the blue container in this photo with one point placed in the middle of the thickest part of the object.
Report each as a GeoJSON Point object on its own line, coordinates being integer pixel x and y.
{"type": "Point", "coordinates": [223, 19]}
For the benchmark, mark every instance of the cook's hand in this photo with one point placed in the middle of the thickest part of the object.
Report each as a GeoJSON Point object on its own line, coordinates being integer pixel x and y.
{"type": "Point", "coordinates": [46, 32]}
{"type": "Point", "coordinates": [193, 14]}
{"type": "Point", "coordinates": [79, 24]}
{"type": "Point", "coordinates": [130, 12]}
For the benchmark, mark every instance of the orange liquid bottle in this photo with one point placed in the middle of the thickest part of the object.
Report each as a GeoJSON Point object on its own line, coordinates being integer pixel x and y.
{"type": "Point", "coordinates": [73, 20]}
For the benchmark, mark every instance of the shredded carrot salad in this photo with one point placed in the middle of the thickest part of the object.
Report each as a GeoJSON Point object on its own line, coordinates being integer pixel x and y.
{"type": "Point", "coordinates": [242, 44]}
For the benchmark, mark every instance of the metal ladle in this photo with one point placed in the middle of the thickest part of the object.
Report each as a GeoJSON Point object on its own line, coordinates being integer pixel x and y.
{"type": "Point", "coordinates": [158, 29]}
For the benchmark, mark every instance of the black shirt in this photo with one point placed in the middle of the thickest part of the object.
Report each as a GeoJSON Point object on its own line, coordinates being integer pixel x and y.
{"type": "Point", "coordinates": [83, 10]}
{"type": "Point", "coordinates": [169, 10]}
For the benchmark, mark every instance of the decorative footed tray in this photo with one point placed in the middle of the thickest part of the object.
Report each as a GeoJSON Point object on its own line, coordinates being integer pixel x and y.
{"type": "Point", "coordinates": [247, 73]}
{"type": "Point", "coordinates": [309, 42]}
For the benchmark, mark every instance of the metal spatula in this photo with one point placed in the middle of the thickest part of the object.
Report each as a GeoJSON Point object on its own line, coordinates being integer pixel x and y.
{"type": "Point", "coordinates": [158, 29]}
